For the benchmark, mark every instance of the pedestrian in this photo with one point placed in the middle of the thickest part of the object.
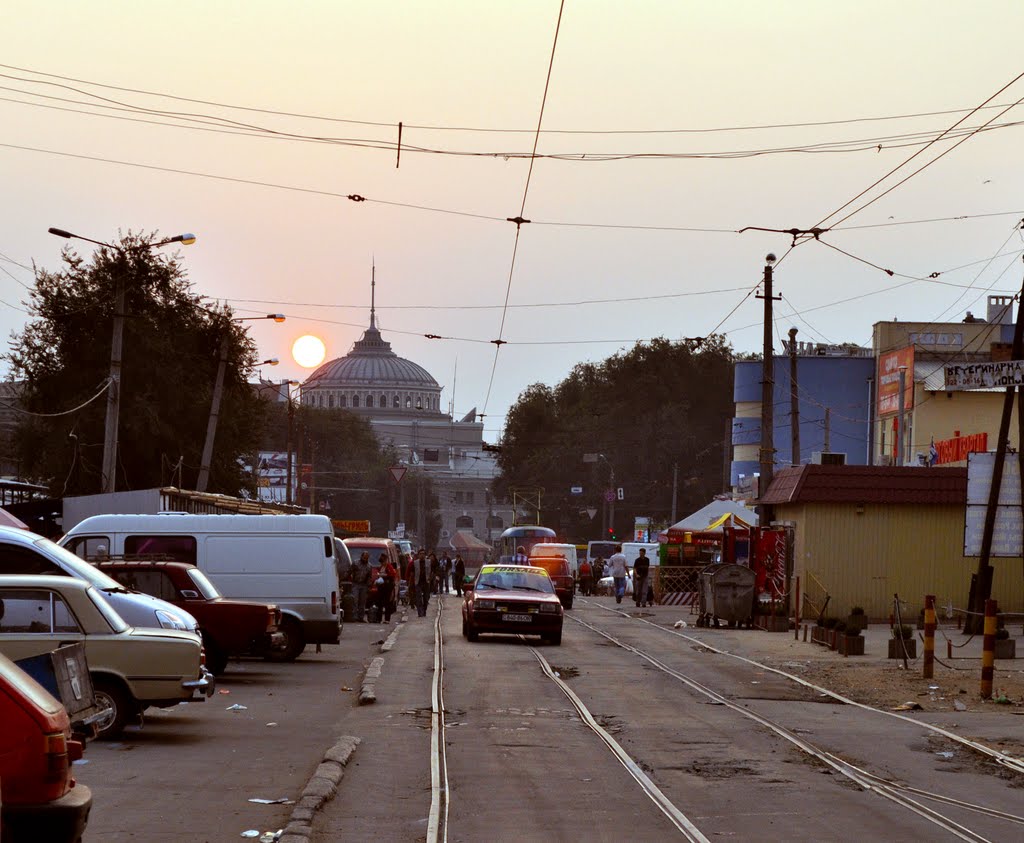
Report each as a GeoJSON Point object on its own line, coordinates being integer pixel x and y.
{"type": "Point", "coordinates": [419, 582]}
{"type": "Point", "coordinates": [435, 574]}
{"type": "Point", "coordinates": [586, 577]}
{"type": "Point", "coordinates": [387, 576]}
{"type": "Point", "coordinates": [641, 577]}
{"type": "Point", "coordinates": [619, 567]}
{"type": "Point", "coordinates": [459, 573]}
{"type": "Point", "coordinates": [361, 573]}
{"type": "Point", "coordinates": [446, 571]}
{"type": "Point", "coordinates": [520, 557]}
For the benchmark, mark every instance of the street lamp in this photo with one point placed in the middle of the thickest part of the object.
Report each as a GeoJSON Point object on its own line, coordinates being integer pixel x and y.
{"type": "Point", "coordinates": [218, 390]}
{"type": "Point", "coordinates": [109, 470]}
{"type": "Point", "coordinates": [608, 505]}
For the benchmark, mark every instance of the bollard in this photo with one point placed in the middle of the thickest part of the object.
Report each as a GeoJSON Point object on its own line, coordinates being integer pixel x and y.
{"type": "Point", "coordinates": [805, 633]}
{"type": "Point", "coordinates": [988, 656]}
{"type": "Point", "coordinates": [928, 662]}
{"type": "Point", "coordinates": [949, 649]}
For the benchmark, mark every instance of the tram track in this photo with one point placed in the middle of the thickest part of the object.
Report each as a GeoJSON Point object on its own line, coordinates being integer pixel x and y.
{"type": "Point", "coordinates": [437, 819]}
{"type": "Point", "coordinates": [906, 797]}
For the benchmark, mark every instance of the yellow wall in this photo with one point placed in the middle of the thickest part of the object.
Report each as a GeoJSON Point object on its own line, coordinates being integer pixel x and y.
{"type": "Point", "coordinates": [862, 560]}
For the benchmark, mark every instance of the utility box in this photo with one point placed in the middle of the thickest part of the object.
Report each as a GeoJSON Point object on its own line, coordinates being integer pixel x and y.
{"type": "Point", "coordinates": [727, 594]}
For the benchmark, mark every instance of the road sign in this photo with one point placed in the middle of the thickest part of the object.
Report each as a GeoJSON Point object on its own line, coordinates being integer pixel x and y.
{"type": "Point", "coordinates": [575, 490]}
{"type": "Point", "coordinates": [609, 496]}
{"type": "Point", "coordinates": [591, 457]}
{"type": "Point", "coordinates": [397, 473]}
{"type": "Point", "coordinates": [991, 375]}
{"type": "Point", "coordinates": [621, 494]}
{"type": "Point", "coordinates": [591, 512]}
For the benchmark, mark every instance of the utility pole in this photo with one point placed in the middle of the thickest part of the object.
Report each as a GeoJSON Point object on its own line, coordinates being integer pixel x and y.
{"type": "Point", "coordinates": [828, 430]}
{"type": "Point", "coordinates": [289, 446]}
{"type": "Point", "coordinates": [109, 471]}
{"type": "Point", "coordinates": [211, 424]}
{"type": "Point", "coordinates": [794, 401]}
{"type": "Point", "coordinates": [614, 495]}
{"type": "Point", "coordinates": [767, 456]}
{"type": "Point", "coordinates": [901, 434]}
{"type": "Point", "coordinates": [675, 491]}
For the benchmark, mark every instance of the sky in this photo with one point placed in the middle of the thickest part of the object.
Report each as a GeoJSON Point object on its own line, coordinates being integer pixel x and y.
{"type": "Point", "coordinates": [652, 238]}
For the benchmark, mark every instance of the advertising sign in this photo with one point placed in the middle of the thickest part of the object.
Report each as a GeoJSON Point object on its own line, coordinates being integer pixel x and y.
{"type": "Point", "coordinates": [272, 476]}
{"type": "Point", "coordinates": [1009, 530]}
{"type": "Point", "coordinates": [889, 381]}
{"type": "Point", "coordinates": [352, 526]}
{"type": "Point", "coordinates": [958, 448]}
{"type": "Point", "coordinates": [990, 375]}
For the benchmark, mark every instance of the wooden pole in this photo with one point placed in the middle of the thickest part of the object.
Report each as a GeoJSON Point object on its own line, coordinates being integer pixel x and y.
{"type": "Point", "coordinates": [928, 661]}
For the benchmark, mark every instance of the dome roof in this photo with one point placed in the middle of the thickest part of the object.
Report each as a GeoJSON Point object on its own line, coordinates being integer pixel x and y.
{"type": "Point", "coordinates": [371, 362]}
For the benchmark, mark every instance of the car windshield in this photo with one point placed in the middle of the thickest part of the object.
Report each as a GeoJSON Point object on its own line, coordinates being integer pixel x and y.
{"type": "Point", "coordinates": [79, 569]}
{"type": "Point", "coordinates": [206, 588]}
{"type": "Point", "coordinates": [509, 579]}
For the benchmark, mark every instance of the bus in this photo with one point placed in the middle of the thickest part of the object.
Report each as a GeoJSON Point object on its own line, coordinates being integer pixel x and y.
{"type": "Point", "coordinates": [525, 537]}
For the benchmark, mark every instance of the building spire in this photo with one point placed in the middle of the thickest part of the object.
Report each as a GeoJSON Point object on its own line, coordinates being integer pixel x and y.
{"type": "Point", "coordinates": [373, 293]}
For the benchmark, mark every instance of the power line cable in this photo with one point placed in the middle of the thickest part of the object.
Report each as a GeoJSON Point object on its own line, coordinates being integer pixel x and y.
{"type": "Point", "coordinates": [104, 388]}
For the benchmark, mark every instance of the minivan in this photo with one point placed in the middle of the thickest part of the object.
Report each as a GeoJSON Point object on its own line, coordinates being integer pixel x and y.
{"type": "Point", "coordinates": [289, 560]}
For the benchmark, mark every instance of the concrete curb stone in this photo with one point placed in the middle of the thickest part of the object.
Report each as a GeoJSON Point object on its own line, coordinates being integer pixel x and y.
{"type": "Point", "coordinates": [367, 693]}
{"type": "Point", "coordinates": [321, 788]}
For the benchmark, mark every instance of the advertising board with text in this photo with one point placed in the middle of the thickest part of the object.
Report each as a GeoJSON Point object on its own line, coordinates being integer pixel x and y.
{"type": "Point", "coordinates": [889, 365]}
{"type": "Point", "coordinates": [1007, 538]}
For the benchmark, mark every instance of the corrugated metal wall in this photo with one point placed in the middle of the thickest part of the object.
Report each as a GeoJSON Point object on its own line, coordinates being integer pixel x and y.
{"type": "Point", "coordinates": [863, 559]}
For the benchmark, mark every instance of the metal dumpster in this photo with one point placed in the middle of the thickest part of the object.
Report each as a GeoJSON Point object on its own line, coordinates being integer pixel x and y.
{"type": "Point", "coordinates": [65, 674]}
{"type": "Point", "coordinates": [727, 594]}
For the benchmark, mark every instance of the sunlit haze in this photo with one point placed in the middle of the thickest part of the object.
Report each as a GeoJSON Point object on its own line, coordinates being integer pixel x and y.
{"type": "Point", "coordinates": [309, 351]}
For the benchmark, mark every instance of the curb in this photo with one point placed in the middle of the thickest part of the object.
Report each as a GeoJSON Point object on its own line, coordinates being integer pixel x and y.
{"type": "Point", "coordinates": [390, 641]}
{"type": "Point", "coordinates": [368, 691]}
{"type": "Point", "coordinates": [320, 789]}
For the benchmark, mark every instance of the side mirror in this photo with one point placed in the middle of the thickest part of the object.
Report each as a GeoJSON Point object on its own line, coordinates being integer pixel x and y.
{"type": "Point", "coordinates": [188, 594]}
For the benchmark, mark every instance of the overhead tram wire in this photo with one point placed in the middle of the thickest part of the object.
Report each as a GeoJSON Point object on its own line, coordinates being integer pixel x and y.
{"type": "Point", "coordinates": [434, 127]}
{"type": "Point", "coordinates": [522, 209]}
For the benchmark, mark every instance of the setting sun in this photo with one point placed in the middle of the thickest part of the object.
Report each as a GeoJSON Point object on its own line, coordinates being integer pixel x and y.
{"type": "Point", "coordinates": [309, 351]}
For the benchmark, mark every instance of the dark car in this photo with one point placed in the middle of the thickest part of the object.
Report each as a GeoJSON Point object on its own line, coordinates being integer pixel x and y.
{"type": "Point", "coordinates": [229, 627]}
{"type": "Point", "coordinates": [41, 800]}
{"type": "Point", "coordinates": [558, 569]}
{"type": "Point", "coordinates": [512, 600]}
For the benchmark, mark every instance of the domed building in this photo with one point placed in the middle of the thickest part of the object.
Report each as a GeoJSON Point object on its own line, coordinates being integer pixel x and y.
{"type": "Point", "coordinates": [402, 402]}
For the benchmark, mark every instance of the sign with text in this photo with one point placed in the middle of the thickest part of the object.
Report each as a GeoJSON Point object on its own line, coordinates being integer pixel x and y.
{"type": "Point", "coordinates": [958, 448]}
{"type": "Point", "coordinates": [889, 380]}
{"type": "Point", "coordinates": [990, 375]}
{"type": "Point", "coordinates": [1009, 530]}
{"type": "Point", "coordinates": [352, 526]}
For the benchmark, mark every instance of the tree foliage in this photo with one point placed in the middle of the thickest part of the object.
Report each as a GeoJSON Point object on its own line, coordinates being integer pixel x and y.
{"type": "Point", "coordinates": [658, 405]}
{"type": "Point", "coordinates": [170, 357]}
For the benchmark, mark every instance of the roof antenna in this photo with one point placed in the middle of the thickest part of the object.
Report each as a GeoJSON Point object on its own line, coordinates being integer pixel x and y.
{"type": "Point", "coordinates": [373, 292]}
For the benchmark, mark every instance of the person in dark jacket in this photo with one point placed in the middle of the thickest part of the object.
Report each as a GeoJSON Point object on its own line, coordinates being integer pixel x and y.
{"type": "Point", "coordinates": [435, 574]}
{"type": "Point", "coordinates": [386, 579]}
{"type": "Point", "coordinates": [586, 578]}
{"type": "Point", "coordinates": [641, 578]}
{"type": "Point", "coordinates": [419, 582]}
{"type": "Point", "coordinates": [361, 573]}
{"type": "Point", "coordinates": [460, 573]}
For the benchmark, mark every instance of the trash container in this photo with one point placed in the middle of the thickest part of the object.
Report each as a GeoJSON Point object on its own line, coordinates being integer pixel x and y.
{"type": "Point", "coordinates": [65, 674]}
{"type": "Point", "coordinates": [727, 595]}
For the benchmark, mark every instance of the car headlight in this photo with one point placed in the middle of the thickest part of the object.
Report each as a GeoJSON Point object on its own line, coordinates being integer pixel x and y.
{"type": "Point", "coordinates": [167, 620]}
{"type": "Point", "coordinates": [548, 607]}
{"type": "Point", "coordinates": [484, 604]}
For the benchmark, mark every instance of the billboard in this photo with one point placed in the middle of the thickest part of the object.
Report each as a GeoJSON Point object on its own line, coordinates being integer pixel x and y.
{"type": "Point", "coordinates": [889, 380]}
{"type": "Point", "coordinates": [991, 375]}
{"type": "Point", "coordinates": [272, 476]}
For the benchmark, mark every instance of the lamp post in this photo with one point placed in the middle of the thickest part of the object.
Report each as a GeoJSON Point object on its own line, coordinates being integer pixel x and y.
{"type": "Point", "coordinates": [218, 391]}
{"type": "Point", "coordinates": [608, 505]}
{"type": "Point", "coordinates": [287, 384]}
{"type": "Point", "coordinates": [109, 469]}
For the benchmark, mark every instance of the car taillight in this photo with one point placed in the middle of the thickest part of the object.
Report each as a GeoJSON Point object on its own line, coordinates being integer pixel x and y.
{"type": "Point", "coordinates": [271, 618]}
{"type": "Point", "coordinates": [334, 602]}
{"type": "Point", "coordinates": [57, 762]}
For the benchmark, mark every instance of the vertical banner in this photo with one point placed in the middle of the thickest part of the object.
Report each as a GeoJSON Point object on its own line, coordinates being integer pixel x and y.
{"type": "Point", "coordinates": [889, 381]}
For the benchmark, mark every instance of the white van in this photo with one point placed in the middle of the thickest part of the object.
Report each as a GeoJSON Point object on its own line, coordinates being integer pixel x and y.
{"type": "Point", "coordinates": [289, 560]}
{"type": "Point", "coordinates": [566, 551]}
{"type": "Point", "coordinates": [631, 550]}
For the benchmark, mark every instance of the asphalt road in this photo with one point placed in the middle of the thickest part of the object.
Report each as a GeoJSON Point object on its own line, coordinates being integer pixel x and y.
{"type": "Point", "coordinates": [522, 764]}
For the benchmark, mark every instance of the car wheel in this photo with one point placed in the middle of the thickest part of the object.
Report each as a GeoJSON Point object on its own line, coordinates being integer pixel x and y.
{"type": "Point", "coordinates": [216, 658]}
{"type": "Point", "coordinates": [465, 629]}
{"type": "Point", "coordinates": [472, 634]}
{"type": "Point", "coordinates": [554, 638]}
{"type": "Point", "coordinates": [294, 642]}
{"type": "Point", "coordinates": [568, 603]}
{"type": "Point", "coordinates": [113, 695]}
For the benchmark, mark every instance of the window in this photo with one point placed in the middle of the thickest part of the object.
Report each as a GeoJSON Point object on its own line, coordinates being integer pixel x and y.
{"type": "Point", "coordinates": [369, 400]}
{"type": "Point", "coordinates": [36, 612]}
{"type": "Point", "coordinates": [178, 548]}
{"type": "Point", "coordinates": [15, 559]}
{"type": "Point", "coordinates": [343, 401]}
{"type": "Point", "coordinates": [469, 498]}
{"type": "Point", "coordinates": [396, 402]}
{"type": "Point", "coordinates": [463, 522]}
{"type": "Point", "coordinates": [355, 401]}
{"type": "Point", "coordinates": [320, 400]}
{"type": "Point", "coordinates": [383, 402]}
{"type": "Point", "coordinates": [408, 402]}
{"type": "Point", "coordinates": [458, 497]}
{"type": "Point", "coordinates": [430, 454]}
{"type": "Point", "coordinates": [330, 401]}
{"type": "Point", "coordinates": [152, 582]}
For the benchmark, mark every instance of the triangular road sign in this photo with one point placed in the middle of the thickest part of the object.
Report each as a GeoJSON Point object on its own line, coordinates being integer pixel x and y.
{"type": "Point", "coordinates": [591, 512]}
{"type": "Point", "coordinates": [397, 473]}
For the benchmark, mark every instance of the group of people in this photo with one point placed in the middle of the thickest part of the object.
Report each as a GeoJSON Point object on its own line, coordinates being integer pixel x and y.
{"type": "Point", "coordinates": [617, 567]}
{"type": "Point", "coordinates": [381, 581]}
{"type": "Point", "coordinates": [430, 575]}
{"type": "Point", "coordinates": [378, 586]}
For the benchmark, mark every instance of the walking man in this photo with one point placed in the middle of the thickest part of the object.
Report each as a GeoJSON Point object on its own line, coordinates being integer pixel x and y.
{"type": "Point", "coordinates": [586, 577]}
{"type": "Point", "coordinates": [419, 582]}
{"type": "Point", "coordinates": [361, 573]}
{"type": "Point", "coordinates": [520, 557]}
{"type": "Point", "coordinates": [641, 577]}
{"type": "Point", "coordinates": [446, 571]}
{"type": "Point", "coordinates": [619, 568]}
{"type": "Point", "coordinates": [460, 573]}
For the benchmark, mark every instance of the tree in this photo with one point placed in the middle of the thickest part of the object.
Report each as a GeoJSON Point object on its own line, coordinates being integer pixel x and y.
{"type": "Point", "coordinates": [169, 364]}
{"type": "Point", "coordinates": [658, 405]}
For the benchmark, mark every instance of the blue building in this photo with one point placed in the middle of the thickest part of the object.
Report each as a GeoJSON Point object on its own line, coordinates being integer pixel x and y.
{"type": "Point", "coordinates": [835, 388]}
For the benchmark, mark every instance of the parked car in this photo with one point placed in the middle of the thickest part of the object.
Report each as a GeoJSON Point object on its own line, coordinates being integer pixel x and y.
{"type": "Point", "coordinates": [288, 560]}
{"type": "Point", "coordinates": [556, 563]}
{"type": "Point", "coordinates": [131, 669]}
{"type": "Point", "coordinates": [229, 627]}
{"type": "Point", "coordinates": [24, 553]}
{"type": "Point", "coordinates": [512, 600]}
{"type": "Point", "coordinates": [41, 799]}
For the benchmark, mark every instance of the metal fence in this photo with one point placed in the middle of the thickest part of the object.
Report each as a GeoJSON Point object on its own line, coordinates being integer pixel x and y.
{"type": "Point", "coordinates": [677, 585]}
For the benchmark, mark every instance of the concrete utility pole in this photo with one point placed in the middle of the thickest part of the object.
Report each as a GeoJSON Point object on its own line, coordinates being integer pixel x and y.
{"type": "Point", "coordinates": [675, 491]}
{"type": "Point", "coordinates": [794, 401]}
{"type": "Point", "coordinates": [767, 456]}
{"type": "Point", "coordinates": [900, 434]}
{"type": "Point", "coordinates": [828, 430]}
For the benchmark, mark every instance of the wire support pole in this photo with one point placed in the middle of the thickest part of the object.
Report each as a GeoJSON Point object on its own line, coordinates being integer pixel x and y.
{"type": "Point", "coordinates": [767, 455]}
{"type": "Point", "coordinates": [110, 429]}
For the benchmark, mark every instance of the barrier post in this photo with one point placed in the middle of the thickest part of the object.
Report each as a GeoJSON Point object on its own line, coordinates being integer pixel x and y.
{"type": "Point", "coordinates": [988, 656]}
{"type": "Point", "coordinates": [928, 661]}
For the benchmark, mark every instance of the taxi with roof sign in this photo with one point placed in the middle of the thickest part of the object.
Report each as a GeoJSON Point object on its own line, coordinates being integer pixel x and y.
{"type": "Point", "coordinates": [512, 600]}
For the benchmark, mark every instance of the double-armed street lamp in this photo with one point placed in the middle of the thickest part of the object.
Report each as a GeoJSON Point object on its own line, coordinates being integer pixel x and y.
{"type": "Point", "coordinates": [218, 391]}
{"type": "Point", "coordinates": [109, 469]}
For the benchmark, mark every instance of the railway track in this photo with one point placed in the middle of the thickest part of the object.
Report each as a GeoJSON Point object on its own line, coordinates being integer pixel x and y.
{"type": "Point", "coordinates": [437, 819]}
{"type": "Point", "coordinates": [909, 798]}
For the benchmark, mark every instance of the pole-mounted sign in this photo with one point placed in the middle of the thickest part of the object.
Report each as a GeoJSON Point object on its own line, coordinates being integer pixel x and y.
{"type": "Point", "coordinates": [397, 473]}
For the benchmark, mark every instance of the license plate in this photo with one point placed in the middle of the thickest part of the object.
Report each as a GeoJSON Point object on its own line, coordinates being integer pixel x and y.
{"type": "Point", "coordinates": [517, 618]}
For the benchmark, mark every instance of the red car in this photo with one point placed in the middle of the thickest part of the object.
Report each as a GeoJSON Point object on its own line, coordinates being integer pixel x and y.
{"type": "Point", "coordinates": [512, 600]}
{"type": "Point", "coordinates": [559, 571]}
{"type": "Point", "coordinates": [229, 627]}
{"type": "Point", "coordinates": [41, 800]}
